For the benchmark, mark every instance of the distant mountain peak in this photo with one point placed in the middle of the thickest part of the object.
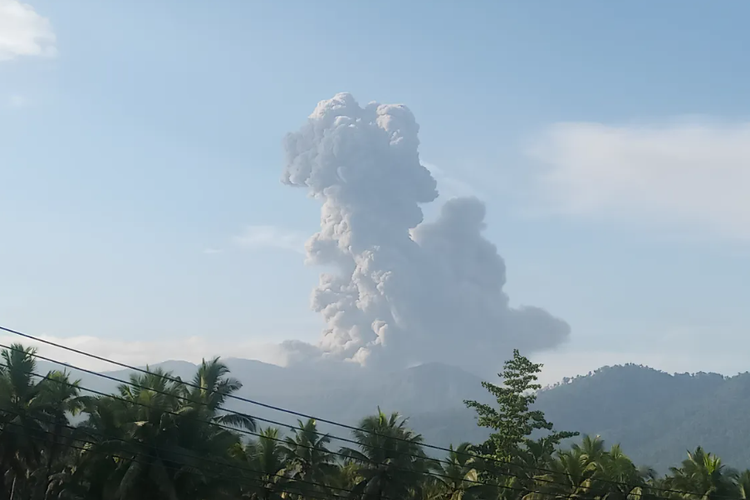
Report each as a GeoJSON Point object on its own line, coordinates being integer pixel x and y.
{"type": "Point", "coordinates": [654, 415]}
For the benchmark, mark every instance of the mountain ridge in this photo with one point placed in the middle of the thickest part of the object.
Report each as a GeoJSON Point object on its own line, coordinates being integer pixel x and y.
{"type": "Point", "coordinates": [654, 415]}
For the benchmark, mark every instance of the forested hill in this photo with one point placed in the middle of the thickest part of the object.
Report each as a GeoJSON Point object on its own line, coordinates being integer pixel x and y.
{"type": "Point", "coordinates": [656, 416]}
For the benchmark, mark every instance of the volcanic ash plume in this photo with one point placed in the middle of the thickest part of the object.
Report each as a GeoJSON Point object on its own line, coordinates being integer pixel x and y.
{"type": "Point", "coordinates": [404, 291]}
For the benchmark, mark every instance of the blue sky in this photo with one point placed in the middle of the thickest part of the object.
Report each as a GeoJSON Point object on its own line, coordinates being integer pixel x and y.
{"type": "Point", "coordinates": [141, 211]}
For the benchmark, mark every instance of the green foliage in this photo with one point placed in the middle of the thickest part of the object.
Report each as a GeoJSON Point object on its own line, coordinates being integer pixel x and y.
{"type": "Point", "coordinates": [159, 438]}
{"type": "Point", "coordinates": [513, 421]}
{"type": "Point", "coordinates": [390, 458]}
{"type": "Point", "coordinates": [656, 416]}
{"type": "Point", "coordinates": [705, 476]}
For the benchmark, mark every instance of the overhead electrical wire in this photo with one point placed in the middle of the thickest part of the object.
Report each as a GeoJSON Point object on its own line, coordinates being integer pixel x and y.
{"type": "Point", "coordinates": [202, 459]}
{"type": "Point", "coordinates": [126, 456]}
{"type": "Point", "coordinates": [259, 435]}
{"type": "Point", "coordinates": [294, 413]}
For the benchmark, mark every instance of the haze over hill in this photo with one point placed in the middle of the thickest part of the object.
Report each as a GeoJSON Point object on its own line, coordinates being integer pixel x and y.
{"type": "Point", "coordinates": [654, 415]}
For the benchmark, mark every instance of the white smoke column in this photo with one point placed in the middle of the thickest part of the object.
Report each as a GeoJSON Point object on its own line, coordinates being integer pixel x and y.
{"type": "Point", "coordinates": [405, 292]}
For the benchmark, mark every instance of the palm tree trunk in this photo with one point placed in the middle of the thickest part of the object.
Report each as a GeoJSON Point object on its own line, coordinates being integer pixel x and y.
{"type": "Point", "coordinates": [50, 459]}
{"type": "Point", "coordinates": [13, 487]}
{"type": "Point", "coordinates": [39, 491]}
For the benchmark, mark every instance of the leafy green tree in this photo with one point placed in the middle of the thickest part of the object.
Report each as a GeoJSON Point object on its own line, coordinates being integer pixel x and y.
{"type": "Point", "coordinates": [521, 435]}
{"type": "Point", "coordinates": [158, 438]}
{"type": "Point", "coordinates": [514, 421]}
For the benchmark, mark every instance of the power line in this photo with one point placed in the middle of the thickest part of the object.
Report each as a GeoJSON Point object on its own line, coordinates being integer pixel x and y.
{"type": "Point", "coordinates": [92, 431]}
{"type": "Point", "coordinates": [227, 464]}
{"type": "Point", "coordinates": [244, 431]}
{"type": "Point", "coordinates": [298, 414]}
{"type": "Point", "coordinates": [192, 401]}
{"type": "Point", "coordinates": [179, 469]}
{"type": "Point", "coordinates": [427, 473]}
{"type": "Point", "coordinates": [283, 410]}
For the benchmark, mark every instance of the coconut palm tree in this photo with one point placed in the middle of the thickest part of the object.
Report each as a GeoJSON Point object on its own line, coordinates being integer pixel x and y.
{"type": "Point", "coordinates": [743, 484]}
{"type": "Point", "coordinates": [521, 473]}
{"type": "Point", "coordinates": [59, 396]}
{"type": "Point", "coordinates": [591, 450]}
{"type": "Point", "coordinates": [704, 476]}
{"type": "Point", "coordinates": [209, 391]}
{"type": "Point", "coordinates": [151, 441]}
{"type": "Point", "coordinates": [151, 400]}
{"type": "Point", "coordinates": [618, 476]}
{"type": "Point", "coordinates": [345, 476]}
{"type": "Point", "coordinates": [390, 458]}
{"type": "Point", "coordinates": [106, 435]}
{"type": "Point", "coordinates": [24, 417]}
{"type": "Point", "coordinates": [569, 475]}
{"type": "Point", "coordinates": [458, 474]}
{"type": "Point", "coordinates": [590, 470]}
{"type": "Point", "coordinates": [308, 460]}
{"type": "Point", "coordinates": [265, 460]}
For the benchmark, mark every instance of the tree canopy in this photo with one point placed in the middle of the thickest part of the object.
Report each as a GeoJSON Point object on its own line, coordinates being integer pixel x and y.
{"type": "Point", "coordinates": [158, 437]}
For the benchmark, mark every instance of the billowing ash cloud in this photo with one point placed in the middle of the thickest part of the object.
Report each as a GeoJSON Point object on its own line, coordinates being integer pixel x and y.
{"type": "Point", "coordinates": [404, 291]}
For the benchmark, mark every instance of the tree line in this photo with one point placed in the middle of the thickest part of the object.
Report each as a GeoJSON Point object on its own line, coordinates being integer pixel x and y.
{"type": "Point", "coordinates": [161, 438]}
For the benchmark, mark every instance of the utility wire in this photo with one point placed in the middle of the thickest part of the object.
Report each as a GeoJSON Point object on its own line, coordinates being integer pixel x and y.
{"type": "Point", "coordinates": [344, 455]}
{"type": "Point", "coordinates": [299, 414]}
{"type": "Point", "coordinates": [230, 428]}
{"type": "Point", "coordinates": [94, 432]}
{"type": "Point", "coordinates": [294, 428]}
{"type": "Point", "coordinates": [295, 413]}
{"type": "Point", "coordinates": [181, 464]}
{"type": "Point", "coordinates": [244, 431]}
{"type": "Point", "coordinates": [304, 494]}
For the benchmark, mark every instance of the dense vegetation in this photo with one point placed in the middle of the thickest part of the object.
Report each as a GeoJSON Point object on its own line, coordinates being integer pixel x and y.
{"type": "Point", "coordinates": [161, 438]}
{"type": "Point", "coordinates": [656, 416]}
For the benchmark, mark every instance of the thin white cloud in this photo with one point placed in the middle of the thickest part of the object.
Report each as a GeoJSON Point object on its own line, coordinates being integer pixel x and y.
{"type": "Point", "coordinates": [692, 174]}
{"type": "Point", "coordinates": [142, 352]}
{"type": "Point", "coordinates": [23, 32]}
{"type": "Point", "coordinates": [451, 186]}
{"type": "Point", "coordinates": [255, 237]}
{"type": "Point", "coordinates": [16, 101]}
